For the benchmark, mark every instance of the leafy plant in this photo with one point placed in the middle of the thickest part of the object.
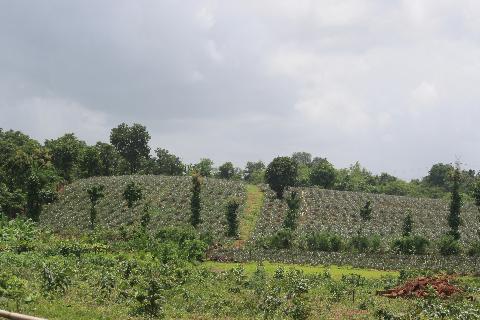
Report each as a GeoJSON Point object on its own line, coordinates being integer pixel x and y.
{"type": "Point", "coordinates": [232, 217]}
{"type": "Point", "coordinates": [132, 193]}
{"type": "Point", "coordinates": [195, 202]}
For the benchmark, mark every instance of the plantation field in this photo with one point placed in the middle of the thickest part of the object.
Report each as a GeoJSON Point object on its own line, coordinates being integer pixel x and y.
{"type": "Point", "coordinates": [338, 212]}
{"type": "Point", "coordinates": [168, 197]}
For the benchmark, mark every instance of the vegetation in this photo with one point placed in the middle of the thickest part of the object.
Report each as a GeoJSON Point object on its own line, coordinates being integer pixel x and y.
{"type": "Point", "coordinates": [232, 217]}
{"type": "Point", "coordinates": [280, 174]}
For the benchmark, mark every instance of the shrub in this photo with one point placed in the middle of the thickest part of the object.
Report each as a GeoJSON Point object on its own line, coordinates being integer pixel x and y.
{"type": "Point", "coordinates": [282, 239]}
{"type": "Point", "coordinates": [410, 245]}
{"type": "Point", "coordinates": [232, 217]}
{"type": "Point", "coordinates": [149, 299]}
{"type": "Point", "coordinates": [407, 227]}
{"type": "Point", "coordinates": [474, 249]}
{"type": "Point", "coordinates": [362, 243]}
{"type": "Point", "coordinates": [132, 194]}
{"type": "Point", "coordinates": [55, 278]}
{"type": "Point", "coordinates": [448, 245]}
{"type": "Point", "coordinates": [366, 211]}
{"type": "Point", "coordinates": [12, 288]}
{"type": "Point", "coordinates": [95, 193]}
{"type": "Point", "coordinates": [195, 202]}
{"type": "Point", "coordinates": [293, 202]}
{"type": "Point", "coordinates": [324, 241]}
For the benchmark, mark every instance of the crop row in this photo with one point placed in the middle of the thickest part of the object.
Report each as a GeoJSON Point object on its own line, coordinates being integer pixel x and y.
{"type": "Point", "coordinates": [169, 198]}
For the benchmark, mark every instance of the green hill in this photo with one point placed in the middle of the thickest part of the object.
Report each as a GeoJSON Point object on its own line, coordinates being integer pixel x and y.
{"type": "Point", "coordinates": [338, 211]}
{"type": "Point", "coordinates": [169, 198]}
{"type": "Point", "coordinates": [321, 210]}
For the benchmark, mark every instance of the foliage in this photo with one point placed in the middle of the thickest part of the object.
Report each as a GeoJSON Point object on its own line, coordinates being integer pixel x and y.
{"type": "Point", "coordinates": [13, 288]}
{"type": "Point", "coordinates": [226, 171]}
{"type": "Point", "coordinates": [150, 300]}
{"type": "Point", "coordinates": [168, 164]}
{"type": "Point", "coordinates": [232, 217]}
{"type": "Point", "coordinates": [448, 245]}
{"type": "Point", "coordinates": [204, 168]}
{"type": "Point", "coordinates": [132, 193]}
{"type": "Point", "coordinates": [254, 172]}
{"type": "Point", "coordinates": [454, 220]}
{"type": "Point", "coordinates": [361, 243]}
{"type": "Point", "coordinates": [407, 227]}
{"type": "Point", "coordinates": [95, 193]}
{"type": "Point", "coordinates": [323, 174]}
{"type": "Point", "coordinates": [280, 174]}
{"type": "Point", "coordinates": [410, 245]}
{"type": "Point", "coordinates": [323, 241]}
{"type": "Point", "coordinates": [65, 152]}
{"type": "Point", "coordinates": [55, 278]}
{"type": "Point", "coordinates": [195, 202]}
{"type": "Point", "coordinates": [293, 203]}
{"type": "Point", "coordinates": [131, 142]}
{"type": "Point", "coordinates": [366, 211]}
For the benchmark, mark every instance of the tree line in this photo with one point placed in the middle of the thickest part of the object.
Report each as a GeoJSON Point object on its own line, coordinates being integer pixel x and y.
{"type": "Point", "coordinates": [31, 172]}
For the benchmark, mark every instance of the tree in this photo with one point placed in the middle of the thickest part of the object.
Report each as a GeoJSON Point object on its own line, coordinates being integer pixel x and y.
{"type": "Point", "coordinates": [293, 203]}
{"type": "Point", "coordinates": [323, 174]}
{"type": "Point", "coordinates": [204, 167]}
{"type": "Point", "coordinates": [131, 143]}
{"type": "Point", "coordinates": [132, 193]}
{"type": "Point", "coordinates": [454, 220]}
{"type": "Point", "coordinates": [226, 171]}
{"type": "Point", "coordinates": [407, 225]}
{"type": "Point", "coordinates": [65, 153]}
{"type": "Point", "coordinates": [280, 174]}
{"type": "Point", "coordinates": [302, 158]}
{"type": "Point", "coordinates": [95, 193]}
{"type": "Point", "coordinates": [440, 176]}
{"type": "Point", "coordinates": [366, 211]}
{"type": "Point", "coordinates": [168, 164]}
{"type": "Point", "coordinates": [89, 162]}
{"type": "Point", "coordinates": [232, 217]}
{"type": "Point", "coordinates": [109, 159]}
{"type": "Point", "coordinates": [476, 195]}
{"type": "Point", "coordinates": [195, 202]}
{"type": "Point", "coordinates": [254, 172]}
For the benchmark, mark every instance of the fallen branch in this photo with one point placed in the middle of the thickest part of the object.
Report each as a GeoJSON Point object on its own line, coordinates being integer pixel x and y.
{"type": "Point", "coordinates": [17, 316]}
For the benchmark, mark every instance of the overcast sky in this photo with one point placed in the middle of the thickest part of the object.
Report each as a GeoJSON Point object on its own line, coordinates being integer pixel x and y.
{"type": "Point", "coordinates": [392, 84]}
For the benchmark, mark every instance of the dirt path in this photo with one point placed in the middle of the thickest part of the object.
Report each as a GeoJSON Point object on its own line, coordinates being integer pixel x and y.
{"type": "Point", "coordinates": [252, 210]}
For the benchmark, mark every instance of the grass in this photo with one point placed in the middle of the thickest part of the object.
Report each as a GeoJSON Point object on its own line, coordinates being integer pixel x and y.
{"type": "Point", "coordinates": [335, 271]}
{"type": "Point", "coordinates": [253, 208]}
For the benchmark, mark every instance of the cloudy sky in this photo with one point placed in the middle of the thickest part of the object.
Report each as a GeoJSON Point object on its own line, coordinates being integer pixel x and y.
{"type": "Point", "coordinates": [392, 84]}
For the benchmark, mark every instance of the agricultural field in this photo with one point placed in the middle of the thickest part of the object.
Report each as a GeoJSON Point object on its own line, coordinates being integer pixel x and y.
{"type": "Point", "coordinates": [101, 275]}
{"type": "Point", "coordinates": [338, 212]}
{"type": "Point", "coordinates": [168, 199]}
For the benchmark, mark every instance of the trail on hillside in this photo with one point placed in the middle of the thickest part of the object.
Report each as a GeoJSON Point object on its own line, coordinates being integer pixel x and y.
{"type": "Point", "coordinates": [251, 213]}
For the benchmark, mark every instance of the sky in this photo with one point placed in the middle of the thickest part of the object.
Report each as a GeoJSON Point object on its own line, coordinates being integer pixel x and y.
{"type": "Point", "coordinates": [391, 84]}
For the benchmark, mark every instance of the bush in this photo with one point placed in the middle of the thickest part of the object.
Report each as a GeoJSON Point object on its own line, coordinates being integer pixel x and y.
{"type": "Point", "coordinates": [281, 239]}
{"type": "Point", "coordinates": [323, 241]}
{"type": "Point", "coordinates": [474, 250]}
{"type": "Point", "coordinates": [410, 245]}
{"type": "Point", "coordinates": [232, 217]}
{"type": "Point", "coordinates": [132, 194]}
{"type": "Point", "coordinates": [449, 246]}
{"type": "Point", "coordinates": [363, 244]}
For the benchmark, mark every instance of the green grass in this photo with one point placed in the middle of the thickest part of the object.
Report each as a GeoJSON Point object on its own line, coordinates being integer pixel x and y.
{"type": "Point", "coordinates": [253, 208]}
{"type": "Point", "coordinates": [335, 271]}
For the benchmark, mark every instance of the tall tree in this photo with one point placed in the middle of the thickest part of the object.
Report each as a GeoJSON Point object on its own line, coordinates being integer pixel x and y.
{"type": "Point", "coordinates": [280, 174]}
{"type": "Point", "coordinates": [109, 158]}
{"type": "Point", "coordinates": [131, 143]}
{"type": "Point", "coordinates": [323, 174]}
{"type": "Point", "coordinates": [168, 164]}
{"type": "Point", "coordinates": [302, 158]}
{"type": "Point", "coordinates": [226, 171]}
{"type": "Point", "coordinates": [65, 153]}
{"type": "Point", "coordinates": [454, 220]}
{"type": "Point", "coordinates": [254, 172]}
{"type": "Point", "coordinates": [204, 167]}
{"type": "Point", "coordinates": [195, 202]}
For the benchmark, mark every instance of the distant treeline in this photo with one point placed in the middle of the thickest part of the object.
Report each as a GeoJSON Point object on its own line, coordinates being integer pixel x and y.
{"type": "Point", "coordinates": [31, 173]}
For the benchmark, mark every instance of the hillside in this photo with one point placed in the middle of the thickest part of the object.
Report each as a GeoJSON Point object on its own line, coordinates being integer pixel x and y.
{"type": "Point", "coordinates": [338, 211]}
{"type": "Point", "coordinates": [169, 198]}
{"type": "Point", "coordinates": [321, 210]}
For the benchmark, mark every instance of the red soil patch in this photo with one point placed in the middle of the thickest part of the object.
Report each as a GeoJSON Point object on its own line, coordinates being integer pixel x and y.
{"type": "Point", "coordinates": [418, 288]}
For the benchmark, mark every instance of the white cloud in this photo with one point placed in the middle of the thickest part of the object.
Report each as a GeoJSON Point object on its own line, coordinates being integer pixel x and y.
{"type": "Point", "coordinates": [205, 17]}
{"type": "Point", "coordinates": [424, 95]}
{"type": "Point", "coordinates": [47, 117]}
